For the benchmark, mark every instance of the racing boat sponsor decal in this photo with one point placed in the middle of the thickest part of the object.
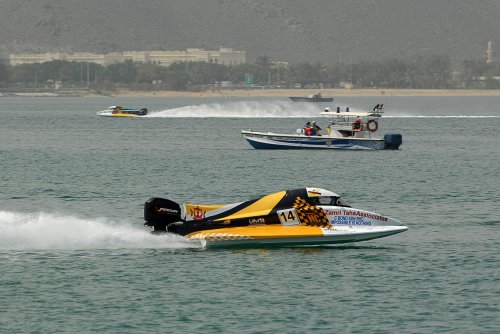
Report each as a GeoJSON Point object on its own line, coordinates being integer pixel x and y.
{"type": "Point", "coordinates": [197, 213]}
{"type": "Point", "coordinates": [350, 220]}
{"type": "Point", "coordinates": [259, 232]}
{"type": "Point", "coordinates": [313, 193]}
{"type": "Point", "coordinates": [199, 210]}
{"type": "Point", "coordinates": [310, 214]}
{"type": "Point", "coordinates": [256, 221]}
{"type": "Point", "coordinates": [217, 236]}
{"type": "Point", "coordinates": [165, 211]}
{"type": "Point", "coordinates": [329, 231]}
{"type": "Point", "coordinates": [353, 217]}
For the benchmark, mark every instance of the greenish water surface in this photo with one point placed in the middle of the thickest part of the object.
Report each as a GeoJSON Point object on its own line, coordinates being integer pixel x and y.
{"type": "Point", "coordinates": [75, 258]}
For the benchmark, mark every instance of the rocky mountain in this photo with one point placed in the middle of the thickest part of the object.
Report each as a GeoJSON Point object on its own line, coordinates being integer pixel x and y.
{"type": "Point", "coordinates": [327, 31]}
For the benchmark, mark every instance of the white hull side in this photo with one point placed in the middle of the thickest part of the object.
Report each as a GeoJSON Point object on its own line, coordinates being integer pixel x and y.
{"type": "Point", "coordinates": [278, 141]}
{"type": "Point", "coordinates": [336, 235]}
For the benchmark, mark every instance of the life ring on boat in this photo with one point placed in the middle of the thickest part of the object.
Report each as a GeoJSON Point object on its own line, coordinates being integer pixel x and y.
{"type": "Point", "coordinates": [372, 125]}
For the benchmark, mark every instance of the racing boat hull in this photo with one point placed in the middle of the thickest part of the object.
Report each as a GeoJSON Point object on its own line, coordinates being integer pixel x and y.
{"type": "Point", "coordinates": [117, 111]}
{"type": "Point", "coordinates": [119, 115]}
{"type": "Point", "coordinates": [305, 216]}
{"type": "Point", "coordinates": [290, 236]}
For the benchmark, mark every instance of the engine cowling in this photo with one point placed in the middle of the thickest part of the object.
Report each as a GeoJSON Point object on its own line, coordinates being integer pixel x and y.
{"type": "Point", "coordinates": [161, 212]}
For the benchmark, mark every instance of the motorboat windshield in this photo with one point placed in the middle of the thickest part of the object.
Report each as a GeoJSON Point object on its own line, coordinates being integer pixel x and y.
{"type": "Point", "coordinates": [330, 200]}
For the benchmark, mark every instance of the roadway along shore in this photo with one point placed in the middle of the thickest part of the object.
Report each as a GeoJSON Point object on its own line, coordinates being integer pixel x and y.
{"type": "Point", "coordinates": [306, 92]}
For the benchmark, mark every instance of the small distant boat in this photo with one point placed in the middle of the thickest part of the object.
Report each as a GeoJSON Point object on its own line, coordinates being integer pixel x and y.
{"type": "Point", "coordinates": [346, 131]}
{"type": "Point", "coordinates": [118, 111]}
{"type": "Point", "coordinates": [316, 97]}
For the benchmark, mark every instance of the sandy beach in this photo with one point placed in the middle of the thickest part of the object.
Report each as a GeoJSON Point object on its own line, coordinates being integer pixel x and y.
{"type": "Point", "coordinates": [324, 92]}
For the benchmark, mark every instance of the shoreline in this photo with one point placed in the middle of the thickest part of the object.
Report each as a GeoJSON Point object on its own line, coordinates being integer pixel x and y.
{"type": "Point", "coordinates": [306, 92]}
{"type": "Point", "coordinates": [257, 92]}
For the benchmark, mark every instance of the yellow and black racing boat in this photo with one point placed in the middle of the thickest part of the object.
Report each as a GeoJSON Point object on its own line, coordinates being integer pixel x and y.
{"type": "Point", "coordinates": [305, 216]}
{"type": "Point", "coordinates": [118, 111]}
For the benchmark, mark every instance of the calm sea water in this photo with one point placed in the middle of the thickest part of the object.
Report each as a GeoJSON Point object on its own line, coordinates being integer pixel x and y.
{"type": "Point", "coordinates": [75, 258]}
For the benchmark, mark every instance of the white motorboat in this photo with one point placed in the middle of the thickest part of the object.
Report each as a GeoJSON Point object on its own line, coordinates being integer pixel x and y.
{"type": "Point", "coordinates": [346, 130]}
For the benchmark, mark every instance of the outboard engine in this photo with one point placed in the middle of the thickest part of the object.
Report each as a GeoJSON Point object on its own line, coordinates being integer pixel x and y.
{"type": "Point", "coordinates": [393, 141]}
{"type": "Point", "coordinates": [161, 212]}
{"type": "Point", "coordinates": [143, 111]}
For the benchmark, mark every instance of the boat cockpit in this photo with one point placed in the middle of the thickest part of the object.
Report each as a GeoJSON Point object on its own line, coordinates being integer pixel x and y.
{"type": "Point", "coordinates": [317, 196]}
{"type": "Point", "coordinates": [329, 200]}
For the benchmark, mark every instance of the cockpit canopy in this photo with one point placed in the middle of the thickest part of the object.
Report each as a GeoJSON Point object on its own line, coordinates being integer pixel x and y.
{"type": "Point", "coordinates": [318, 196]}
{"type": "Point", "coordinates": [330, 200]}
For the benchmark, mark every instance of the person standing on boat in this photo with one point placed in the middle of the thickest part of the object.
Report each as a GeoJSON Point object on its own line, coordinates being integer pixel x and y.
{"type": "Point", "coordinates": [308, 129]}
{"type": "Point", "coordinates": [357, 125]}
{"type": "Point", "coordinates": [315, 129]}
{"type": "Point", "coordinates": [378, 107]}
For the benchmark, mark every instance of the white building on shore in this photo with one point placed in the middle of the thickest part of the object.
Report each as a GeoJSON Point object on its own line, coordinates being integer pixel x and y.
{"type": "Point", "coordinates": [224, 56]}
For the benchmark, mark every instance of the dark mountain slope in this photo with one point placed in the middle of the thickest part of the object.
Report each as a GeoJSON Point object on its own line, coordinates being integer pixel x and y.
{"type": "Point", "coordinates": [291, 30]}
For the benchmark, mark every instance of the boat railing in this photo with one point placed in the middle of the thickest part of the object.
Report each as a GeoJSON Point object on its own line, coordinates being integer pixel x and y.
{"type": "Point", "coordinates": [347, 122]}
{"type": "Point", "coordinates": [341, 123]}
{"type": "Point", "coordinates": [346, 125]}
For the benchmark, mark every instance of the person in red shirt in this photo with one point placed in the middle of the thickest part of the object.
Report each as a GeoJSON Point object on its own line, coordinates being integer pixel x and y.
{"type": "Point", "coordinates": [357, 125]}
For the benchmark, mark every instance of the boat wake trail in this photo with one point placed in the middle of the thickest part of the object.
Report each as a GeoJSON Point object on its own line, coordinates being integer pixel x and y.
{"type": "Point", "coordinates": [243, 109]}
{"type": "Point", "coordinates": [439, 116]}
{"type": "Point", "coordinates": [278, 109]}
{"type": "Point", "coordinates": [21, 231]}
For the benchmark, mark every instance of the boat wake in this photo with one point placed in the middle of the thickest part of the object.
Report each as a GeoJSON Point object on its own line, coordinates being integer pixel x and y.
{"type": "Point", "coordinates": [276, 109]}
{"type": "Point", "coordinates": [242, 109]}
{"type": "Point", "coordinates": [43, 231]}
{"type": "Point", "coordinates": [440, 116]}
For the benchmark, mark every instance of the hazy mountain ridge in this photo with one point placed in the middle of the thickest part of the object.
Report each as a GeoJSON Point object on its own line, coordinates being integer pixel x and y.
{"type": "Point", "coordinates": [327, 31]}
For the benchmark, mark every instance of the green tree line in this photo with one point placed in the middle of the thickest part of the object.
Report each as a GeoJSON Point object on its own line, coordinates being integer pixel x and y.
{"type": "Point", "coordinates": [415, 72]}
